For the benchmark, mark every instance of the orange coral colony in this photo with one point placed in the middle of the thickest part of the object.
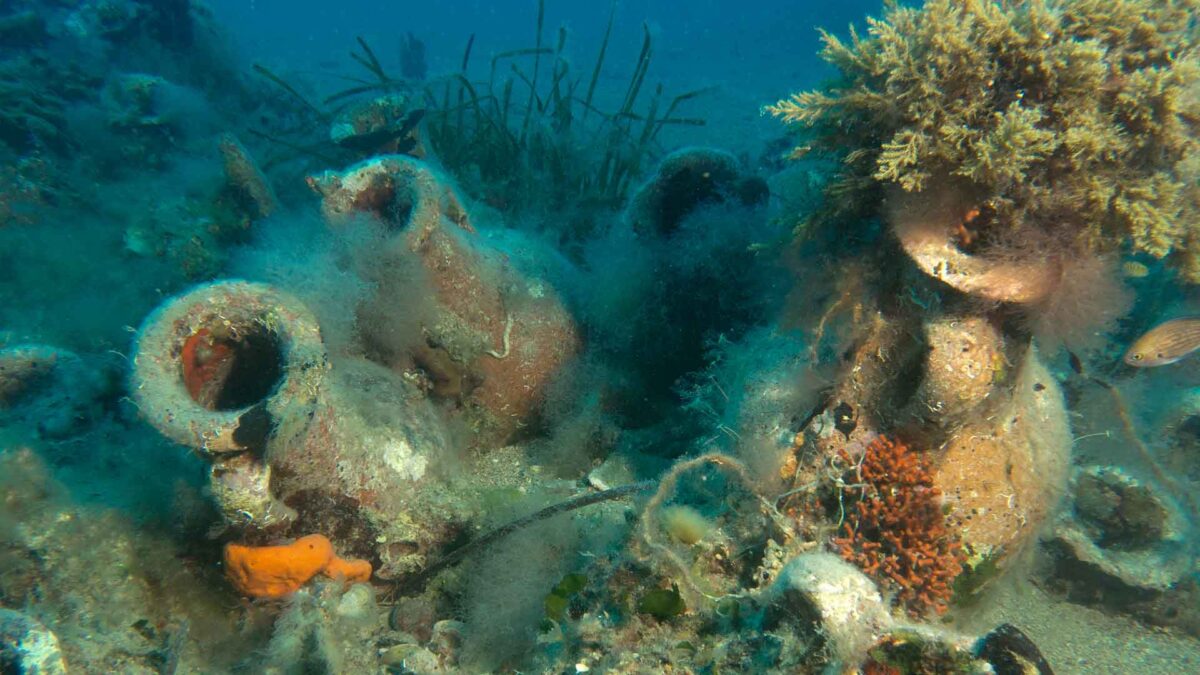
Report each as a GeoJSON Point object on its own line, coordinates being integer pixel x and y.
{"type": "Point", "coordinates": [895, 530]}
{"type": "Point", "coordinates": [276, 571]}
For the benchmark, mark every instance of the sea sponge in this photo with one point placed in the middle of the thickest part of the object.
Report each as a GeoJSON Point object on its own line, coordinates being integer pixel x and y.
{"type": "Point", "coordinates": [1067, 116]}
{"type": "Point", "coordinates": [277, 571]}
{"type": "Point", "coordinates": [350, 571]}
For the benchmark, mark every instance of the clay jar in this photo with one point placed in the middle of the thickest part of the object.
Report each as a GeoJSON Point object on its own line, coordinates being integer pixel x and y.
{"type": "Point", "coordinates": [230, 369]}
{"type": "Point", "coordinates": [492, 338]}
{"type": "Point", "coordinates": [238, 371]}
{"type": "Point", "coordinates": [988, 418]}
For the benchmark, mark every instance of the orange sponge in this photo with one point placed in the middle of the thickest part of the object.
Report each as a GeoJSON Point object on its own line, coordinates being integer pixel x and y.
{"type": "Point", "coordinates": [276, 571]}
{"type": "Point", "coordinates": [350, 571]}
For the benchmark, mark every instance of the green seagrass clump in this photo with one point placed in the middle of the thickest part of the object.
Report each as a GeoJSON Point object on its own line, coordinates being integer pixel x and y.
{"type": "Point", "coordinates": [1076, 120]}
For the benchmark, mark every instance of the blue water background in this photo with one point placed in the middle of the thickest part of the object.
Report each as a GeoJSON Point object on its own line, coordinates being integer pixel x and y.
{"type": "Point", "coordinates": [752, 52]}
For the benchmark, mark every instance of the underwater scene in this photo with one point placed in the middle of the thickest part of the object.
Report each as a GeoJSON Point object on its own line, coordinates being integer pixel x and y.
{"type": "Point", "coordinates": [626, 336]}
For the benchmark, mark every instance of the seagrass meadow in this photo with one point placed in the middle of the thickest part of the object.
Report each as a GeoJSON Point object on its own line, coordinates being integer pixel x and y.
{"type": "Point", "coordinates": [533, 336]}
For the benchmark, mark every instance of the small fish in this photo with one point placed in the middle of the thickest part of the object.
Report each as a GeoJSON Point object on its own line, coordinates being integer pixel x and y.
{"type": "Point", "coordinates": [1135, 270]}
{"type": "Point", "coordinates": [1076, 364]}
{"type": "Point", "coordinates": [1165, 343]}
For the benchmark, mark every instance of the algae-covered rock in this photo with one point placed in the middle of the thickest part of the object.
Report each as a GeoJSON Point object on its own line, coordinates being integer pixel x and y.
{"type": "Point", "coordinates": [1124, 545]}
{"type": "Point", "coordinates": [28, 647]}
{"type": "Point", "coordinates": [662, 603]}
{"type": "Point", "coordinates": [96, 18]}
{"type": "Point", "coordinates": [118, 596]}
{"type": "Point", "coordinates": [50, 390]}
{"type": "Point", "coordinates": [843, 603]}
{"type": "Point", "coordinates": [316, 633]}
{"type": "Point", "coordinates": [1122, 512]}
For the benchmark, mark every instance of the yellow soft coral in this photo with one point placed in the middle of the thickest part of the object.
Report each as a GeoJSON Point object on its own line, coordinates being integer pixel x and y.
{"type": "Point", "coordinates": [1076, 118]}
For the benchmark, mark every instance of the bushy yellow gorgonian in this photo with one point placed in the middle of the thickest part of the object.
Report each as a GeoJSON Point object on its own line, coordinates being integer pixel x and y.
{"type": "Point", "coordinates": [1077, 117]}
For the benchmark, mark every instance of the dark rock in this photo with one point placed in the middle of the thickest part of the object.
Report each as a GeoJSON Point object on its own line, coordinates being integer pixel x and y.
{"type": "Point", "coordinates": [1011, 652]}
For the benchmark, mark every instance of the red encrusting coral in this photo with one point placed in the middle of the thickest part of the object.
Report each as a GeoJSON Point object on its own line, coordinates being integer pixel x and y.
{"type": "Point", "coordinates": [894, 528]}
